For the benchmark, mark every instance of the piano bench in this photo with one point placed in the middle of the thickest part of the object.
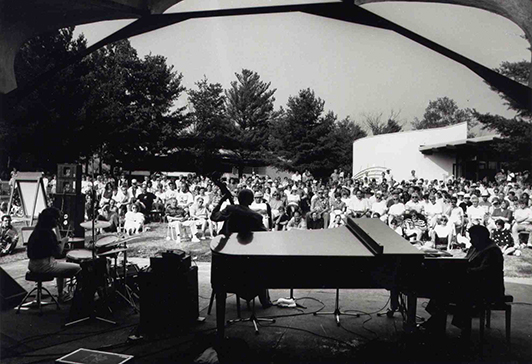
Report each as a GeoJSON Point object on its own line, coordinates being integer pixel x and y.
{"type": "Point", "coordinates": [485, 314]}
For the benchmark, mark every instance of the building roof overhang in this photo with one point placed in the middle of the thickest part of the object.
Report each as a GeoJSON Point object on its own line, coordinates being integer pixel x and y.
{"type": "Point", "coordinates": [454, 146]}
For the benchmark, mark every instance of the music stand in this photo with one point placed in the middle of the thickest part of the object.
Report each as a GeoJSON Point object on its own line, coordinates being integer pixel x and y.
{"type": "Point", "coordinates": [127, 295]}
{"type": "Point", "coordinates": [93, 315]}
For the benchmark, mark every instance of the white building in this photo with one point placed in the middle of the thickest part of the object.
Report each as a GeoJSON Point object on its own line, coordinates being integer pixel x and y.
{"type": "Point", "coordinates": [433, 153]}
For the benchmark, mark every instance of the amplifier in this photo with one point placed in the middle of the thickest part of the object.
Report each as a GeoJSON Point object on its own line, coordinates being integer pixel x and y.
{"type": "Point", "coordinates": [168, 301]}
{"type": "Point", "coordinates": [172, 261]}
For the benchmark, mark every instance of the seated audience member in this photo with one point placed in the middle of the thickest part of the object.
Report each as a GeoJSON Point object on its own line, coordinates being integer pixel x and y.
{"type": "Point", "coordinates": [8, 236]}
{"type": "Point", "coordinates": [523, 222]}
{"type": "Point", "coordinates": [145, 200]}
{"type": "Point", "coordinates": [107, 213]}
{"type": "Point", "coordinates": [3, 209]}
{"type": "Point", "coordinates": [338, 207]}
{"type": "Point", "coordinates": [484, 202]}
{"type": "Point", "coordinates": [275, 204]}
{"type": "Point", "coordinates": [321, 207]}
{"type": "Point", "coordinates": [483, 282]}
{"type": "Point", "coordinates": [456, 216]}
{"type": "Point", "coordinates": [379, 206]}
{"type": "Point", "coordinates": [411, 230]}
{"type": "Point", "coordinates": [415, 204]}
{"type": "Point", "coordinates": [314, 221]}
{"type": "Point", "coordinates": [296, 222]}
{"type": "Point", "coordinates": [184, 197]}
{"type": "Point", "coordinates": [357, 205]}
{"type": "Point", "coordinates": [292, 200]}
{"type": "Point", "coordinates": [395, 225]}
{"type": "Point", "coordinates": [170, 193]}
{"type": "Point", "coordinates": [337, 221]}
{"type": "Point", "coordinates": [43, 247]}
{"type": "Point", "coordinates": [503, 238]}
{"type": "Point", "coordinates": [281, 220]}
{"type": "Point", "coordinates": [199, 217]}
{"type": "Point", "coordinates": [441, 235]}
{"type": "Point", "coordinates": [122, 197]}
{"type": "Point", "coordinates": [475, 213]}
{"type": "Point", "coordinates": [397, 208]}
{"type": "Point", "coordinates": [261, 207]}
{"type": "Point", "coordinates": [499, 211]}
{"type": "Point", "coordinates": [134, 220]}
{"type": "Point", "coordinates": [433, 209]}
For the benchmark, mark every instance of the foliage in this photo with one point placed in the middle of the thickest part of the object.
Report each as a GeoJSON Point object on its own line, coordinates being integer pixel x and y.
{"type": "Point", "coordinates": [443, 112]}
{"type": "Point", "coordinates": [112, 103]}
{"type": "Point", "coordinates": [250, 108]}
{"type": "Point", "coordinates": [305, 139]}
{"type": "Point", "coordinates": [375, 124]}
{"type": "Point", "coordinates": [517, 132]}
{"type": "Point", "coordinates": [44, 128]}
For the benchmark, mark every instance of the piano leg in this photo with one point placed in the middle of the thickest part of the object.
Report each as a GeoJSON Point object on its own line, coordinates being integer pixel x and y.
{"type": "Point", "coordinates": [411, 307]}
{"type": "Point", "coordinates": [221, 296]}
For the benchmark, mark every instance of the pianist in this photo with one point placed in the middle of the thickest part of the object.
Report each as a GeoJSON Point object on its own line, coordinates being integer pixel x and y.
{"type": "Point", "coordinates": [241, 219]}
{"type": "Point", "coordinates": [483, 282]}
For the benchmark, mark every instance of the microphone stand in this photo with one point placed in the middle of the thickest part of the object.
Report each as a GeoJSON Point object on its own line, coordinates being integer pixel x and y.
{"type": "Point", "coordinates": [93, 316]}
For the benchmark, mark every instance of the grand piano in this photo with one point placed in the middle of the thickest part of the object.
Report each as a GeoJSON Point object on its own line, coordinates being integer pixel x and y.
{"type": "Point", "coordinates": [365, 253]}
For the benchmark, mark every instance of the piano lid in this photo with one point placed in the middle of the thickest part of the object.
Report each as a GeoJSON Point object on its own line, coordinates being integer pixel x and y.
{"type": "Point", "coordinates": [337, 242]}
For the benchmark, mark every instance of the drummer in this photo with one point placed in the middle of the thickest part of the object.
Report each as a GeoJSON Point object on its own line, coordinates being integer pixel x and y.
{"type": "Point", "coordinates": [43, 246]}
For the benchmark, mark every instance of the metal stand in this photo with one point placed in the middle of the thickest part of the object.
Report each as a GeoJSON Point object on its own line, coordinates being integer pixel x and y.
{"type": "Point", "coordinates": [254, 319]}
{"type": "Point", "coordinates": [128, 292]}
{"type": "Point", "coordinates": [337, 312]}
{"type": "Point", "coordinates": [93, 316]}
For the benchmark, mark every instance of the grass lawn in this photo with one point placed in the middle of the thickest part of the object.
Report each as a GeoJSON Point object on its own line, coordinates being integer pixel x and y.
{"type": "Point", "coordinates": [153, 241]}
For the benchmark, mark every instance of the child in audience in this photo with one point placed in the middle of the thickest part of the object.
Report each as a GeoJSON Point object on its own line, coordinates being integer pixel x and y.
{"type": "Point", "coordinates": [336, 222]}
{"type": "Point", "coordinates": [503, 238]}
{"type": "Point", "coordinates": [442, 234]}
{"type": "Point", "coordinates": [281, 220]}
{"type": "Point", "coordinates": [395, 225]}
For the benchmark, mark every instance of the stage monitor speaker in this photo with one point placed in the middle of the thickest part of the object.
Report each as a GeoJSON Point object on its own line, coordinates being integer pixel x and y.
{"type": "Point", "coordinates": [11, 293]}
{"type": "Point", "coordinates": [168, 302]}
{"type": "Point", "coordinates": [68, 179]}
{"type": "Point", "coordinates": [73, 209]}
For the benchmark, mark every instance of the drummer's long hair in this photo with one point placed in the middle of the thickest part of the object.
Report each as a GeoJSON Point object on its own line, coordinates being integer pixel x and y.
{"type": "Point", "coordinates": [47, 219]}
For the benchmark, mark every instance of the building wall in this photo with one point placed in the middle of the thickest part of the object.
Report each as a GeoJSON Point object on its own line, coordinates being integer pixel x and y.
{"type": "Point", "coordinates": [400, 152]}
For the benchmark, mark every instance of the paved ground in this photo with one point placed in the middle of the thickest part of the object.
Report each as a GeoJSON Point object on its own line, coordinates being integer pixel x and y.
{"type": "Point", "coordinates": [296, 336]}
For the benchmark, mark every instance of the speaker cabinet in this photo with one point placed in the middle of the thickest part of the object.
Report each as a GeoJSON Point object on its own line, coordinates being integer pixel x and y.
{"type": "Point", "coordinates": [11, 293]}
{"type": "Point", "coordinates": [68, 179]}
{"type": "Point", "coordinates": [73, 209]}
{"type": "Point", "coordinates": [168, 301]}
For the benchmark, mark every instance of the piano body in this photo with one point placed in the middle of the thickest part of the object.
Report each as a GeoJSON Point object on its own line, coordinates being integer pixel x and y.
{"type": "Point", "coordinates": [365, 253]}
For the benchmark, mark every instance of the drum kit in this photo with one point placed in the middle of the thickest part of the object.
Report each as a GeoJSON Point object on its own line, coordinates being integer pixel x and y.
{"type": "Point", "coordinates": [105, 247]}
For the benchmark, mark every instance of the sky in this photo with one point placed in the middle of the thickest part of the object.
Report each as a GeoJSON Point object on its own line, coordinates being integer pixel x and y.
{"type": "Point", "coordinates": [357, 70]}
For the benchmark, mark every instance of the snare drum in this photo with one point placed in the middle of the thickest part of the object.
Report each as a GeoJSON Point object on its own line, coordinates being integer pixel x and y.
{"type": "Point", "coordinates": [79, 256]}
{"type": "Point", "coordinates": [106, 243]}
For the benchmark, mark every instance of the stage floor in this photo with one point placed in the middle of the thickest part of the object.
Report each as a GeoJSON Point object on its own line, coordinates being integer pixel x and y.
{"type": "Point", "coordinates": [296, 336]}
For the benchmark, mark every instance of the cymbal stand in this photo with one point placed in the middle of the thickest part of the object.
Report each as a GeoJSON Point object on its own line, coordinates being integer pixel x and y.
{"type": "Point", "coordinates": [337, 312]}
{"type": "Point", "coordinates": [93, 316]}
{"type": "Point", "coordinates": [128, 292]}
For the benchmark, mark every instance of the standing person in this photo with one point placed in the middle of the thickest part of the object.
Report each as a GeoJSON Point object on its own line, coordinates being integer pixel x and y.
{"type": "Point", "coordinates": [241, 219]}
{"type": "Point", "coordinates": [43, 246]}
{"type": "Point", "coordinates": [8, 236]}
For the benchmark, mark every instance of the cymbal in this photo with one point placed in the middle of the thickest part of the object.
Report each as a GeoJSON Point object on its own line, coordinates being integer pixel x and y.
{"type": "Point", "coordinates": [111, 252]}
{"type": "Point", "coordinates": [97, 224]}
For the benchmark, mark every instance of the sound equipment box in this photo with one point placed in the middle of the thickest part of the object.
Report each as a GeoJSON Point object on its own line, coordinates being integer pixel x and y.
{"type": "Point", "coordinates": [73, 209]}
{"type": "Point", "coordinates": [68, 179]}
{"type": "Point", "coordinates": [168, 296]}
{"type": "Point", "coordinates": [11, 293]}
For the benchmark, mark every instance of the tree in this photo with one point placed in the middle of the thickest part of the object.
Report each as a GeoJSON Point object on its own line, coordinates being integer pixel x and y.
{"type": "Point", "coordinates": [209, 125]}
{"type": "Point", "coordinates": [345, 132]}
{"type": "Point", "coordinates": [443, 112]}
{"type": "Point", "coordinates": [516, 132]}
{"type": "Point", "coordinates": [43, 128]}
{"type": "Point", "coordinates": [133, 104]}
{"type": "Point", "coordinates": [250, 108]}
{"type": "Point", "coordinates": [375, 124]}
{"type": "Point", "coordinates": [302, 137]}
